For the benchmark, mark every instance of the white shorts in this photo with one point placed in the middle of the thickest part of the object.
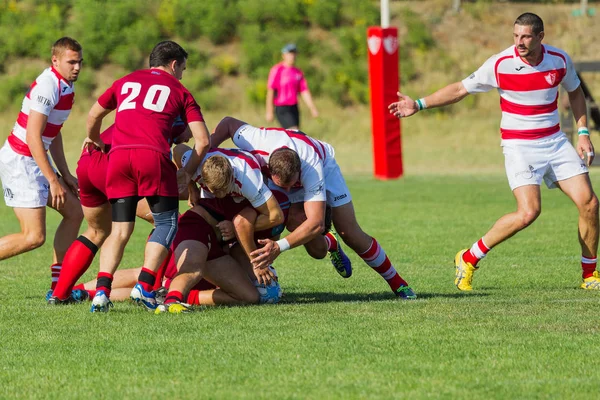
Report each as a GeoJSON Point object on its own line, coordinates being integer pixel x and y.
{"type": "Point", "coordinates": [336, 189]}
{"type": "Point", "coordinates": [22, 180]}
{"type": "Point", "coordinates": [551, 159]}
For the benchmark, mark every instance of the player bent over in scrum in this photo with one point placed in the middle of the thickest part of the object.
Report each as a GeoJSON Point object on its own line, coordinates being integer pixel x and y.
{"type": "Point", "coordinates": [306, 169]}
{"type": "Point", "coordinates": [231, 180]}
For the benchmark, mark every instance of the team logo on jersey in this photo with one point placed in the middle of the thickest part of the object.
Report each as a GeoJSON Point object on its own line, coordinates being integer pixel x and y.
{"type": "Point", "coordinates": [317, 190]}
{"type": "Point", "coordinates": [43, 100]}
{"type": "Point", "coordinates": [374, 43]}
{"type": "Point", "coordinates": [519, 68]}
{"type": "Point", "coordinates": [390, 44]}
{"type": "Point", "coordinates": [551, 78]}
{"type": "Point", "coordinates": [8, 194]}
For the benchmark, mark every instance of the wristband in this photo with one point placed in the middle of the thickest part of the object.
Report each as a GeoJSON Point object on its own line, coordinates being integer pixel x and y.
{"type": "Point", "coordinates": [583, 131]}
{"type": "Point", "coordinates": [421, 105]}
{"type": "Point", "coordinates": [283, 245]}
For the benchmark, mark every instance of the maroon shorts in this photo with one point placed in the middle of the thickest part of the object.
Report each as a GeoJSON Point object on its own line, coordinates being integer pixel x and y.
{"type": "Point", "coordinates": [91, 174]}
{"type": "Point", "coordinates": [140, 172]}
{"type": "Point", "coordinates": [193, 227]}
{"type": "Point", "coordinates": [224, 209]}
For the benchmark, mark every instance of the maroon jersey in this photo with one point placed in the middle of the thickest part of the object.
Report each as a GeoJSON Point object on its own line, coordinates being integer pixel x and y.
{"type": "Point", "coordinates": [147, 103]}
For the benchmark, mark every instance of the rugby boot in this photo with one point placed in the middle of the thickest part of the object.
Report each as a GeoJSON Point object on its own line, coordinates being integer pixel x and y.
{"type": "Point", "coordinates": [592, 282]}
{"type": "Point", "coordinates": [405, 293]}
{"type": "Point", "coordinates": [173, 308]}
{"type": "Point", "coordinates": [464, 272]}
{"type": "Point", "coordinates": [143, 298]}
{"type": "Point", "coordinates": [101, 302]}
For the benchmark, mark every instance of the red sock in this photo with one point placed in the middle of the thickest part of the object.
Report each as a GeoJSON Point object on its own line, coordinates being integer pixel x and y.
{"type": "Point", "coordinates": [174, 296]}
{"type": "Point", "coordinates": [478, 251]}
{"type": "Point", "coordinates": [193, 298]}
{"type": "Point", "coordinates": [161, 270]}
{"type": "Point", "coordinates": [332, 243]}
{"type": "Point", "coordinates": [77, 260]}
{"type": "Point", "coordinates": [147, 279]}
{"type": "Point", "coordinates": [376, 258]}
{"type": "Point", "coordinates": [55, 270]}
{"type": "Point", "coordinates": [588, 266]}
{"type": "Point", "coordinates": [104, 282]}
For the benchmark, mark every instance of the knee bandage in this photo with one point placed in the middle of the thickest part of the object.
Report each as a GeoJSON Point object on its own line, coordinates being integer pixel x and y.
{"type": "Point", "coordinates": [165, 227]}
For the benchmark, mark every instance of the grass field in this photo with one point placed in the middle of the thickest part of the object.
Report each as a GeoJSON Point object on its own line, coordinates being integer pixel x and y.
{"type": "Point", "coordinates": [525, 332]}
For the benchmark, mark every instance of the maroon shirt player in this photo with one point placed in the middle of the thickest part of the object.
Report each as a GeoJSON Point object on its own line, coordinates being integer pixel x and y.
{"type": "Point", "coordinates": [147, 102]}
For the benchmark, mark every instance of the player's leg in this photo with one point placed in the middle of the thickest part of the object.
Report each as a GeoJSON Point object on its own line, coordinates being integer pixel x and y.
{"type": "Point", "coordinates": [529, 206]}
{"type": "Point", "coordinates": [123, 222]}
{"type": "Point", "coordinates": [367, 248]}
{"type": "Point", "coordinates": [234, 285]}
{"type": "Point", "coordinates": [82, 251]}
{"type": "Point", "coordinates": [32, 235]}
{"type": "Point", "coordinates": [272, 292]}
{"type": "Point", "coordinates": [316, 248]}
{"type": "Point", "coordinates": [579, 189]}
{"type": "Point", "coordinates": [68, 228]}
{"type": "Point", "coordinates": [123, 280]}
{"type": "Point", "coordinates": [165, 211]}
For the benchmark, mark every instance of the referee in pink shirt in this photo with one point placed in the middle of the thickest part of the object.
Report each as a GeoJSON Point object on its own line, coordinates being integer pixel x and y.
{"type": "Point", "coordinates": [284, 84]}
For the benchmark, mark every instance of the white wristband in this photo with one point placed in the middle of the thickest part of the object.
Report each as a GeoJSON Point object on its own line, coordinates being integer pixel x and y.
{"type": "Point", "coordinates": [421, 105]}
{"type": "Point", "coordinates": [283, 245]}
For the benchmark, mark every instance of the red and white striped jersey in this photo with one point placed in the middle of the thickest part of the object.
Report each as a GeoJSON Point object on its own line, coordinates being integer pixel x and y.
{"type": "Point", "coordinates": [528, 93]}
{"type": "Point", "coordinates": [247, 182]}
{"type": "Point", "coordinates": [313, 153]}
{"type": "Point", "coordinates": [51, 95]}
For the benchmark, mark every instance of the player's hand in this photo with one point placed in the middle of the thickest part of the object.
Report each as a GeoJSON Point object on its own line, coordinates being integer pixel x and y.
{"type": "Point", "coordinates": [403, 108]}
{"type": "Point", "coordinates": [264, 275]}
{"type": "Point", "coordinates": [183, 179]}
{"type": "Point", "coordinates": [193, 195]}
{"type": "Point", "coordinates": [263, 257]}
{"type": "Point", "coordinates": [72, 184]}
{"type": "Point", "coordinates": [314, 112]}
{"type": "Point", "coordinates": [269, 116]}
{"type": "Point", "coordinates": [585, 148]}
{"type": "Point", "coordinates": [58, 195]}
{"type": "Point", "coordinates": [227, 230]}
{"type": "Point", "coordinates": [90, 145]}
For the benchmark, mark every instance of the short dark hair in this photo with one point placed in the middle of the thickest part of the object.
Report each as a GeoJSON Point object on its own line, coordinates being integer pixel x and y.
{"type": "Point", "coordinates": [284, 163]}
{"type": "Point", "coordinates": [65, 43]}
{"type": "Point", "coordinates": [165, 52]}
{"type": "Point", "coordinates": [532, 20]}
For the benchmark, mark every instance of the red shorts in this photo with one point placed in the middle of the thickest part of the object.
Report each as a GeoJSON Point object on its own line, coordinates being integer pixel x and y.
{"type": "Point", "coordinates": [193, 227]}
{"type": "Point", "coordinates": [140, 172]}
{"type": "Point", "coordinates": [91, 174]}
{"type": "Point", "coordinates": [224, 209]}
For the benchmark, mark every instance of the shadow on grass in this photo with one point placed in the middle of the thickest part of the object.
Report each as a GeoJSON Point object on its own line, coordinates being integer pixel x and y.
{"type": "Point", "coordinates": [329, 297]}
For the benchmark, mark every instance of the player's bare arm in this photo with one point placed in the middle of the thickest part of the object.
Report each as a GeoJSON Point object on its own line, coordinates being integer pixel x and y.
{"type": "Point", "coordinates": [58, 155]}
{"type": "Point", "coordinates": [405, 106]}
{"type": "Point", "coordinates": [94, 124]}
{"type": "Point", "coordinates": [307, 97]}
{"type": "Point", "coordinates": [584, 147]}
{"type": "Point", "coordinates": [225, 130]}
{"type": "Point", "coordinates": [36, 124]}
{"type": "Point", "coordinates": [269, 215]}
{"type": "Point", "coordinates": [307, 231]}
{"type": "Point", "coordinates": [201, 146]}
{"type": "Point", "coordinates": [269, 105]}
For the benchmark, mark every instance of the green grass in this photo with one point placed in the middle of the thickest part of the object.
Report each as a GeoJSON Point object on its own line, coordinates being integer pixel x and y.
{"type": "Point", "coordinates": [525, 332]}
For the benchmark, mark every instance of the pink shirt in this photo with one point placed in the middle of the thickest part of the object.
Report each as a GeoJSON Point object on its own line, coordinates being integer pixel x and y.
{"type": "Point", "coordinates": [287, 82]}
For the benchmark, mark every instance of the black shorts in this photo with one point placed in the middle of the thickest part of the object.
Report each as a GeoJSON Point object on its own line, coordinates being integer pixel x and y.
{"type": "Point", "coordinates": [288, 116]}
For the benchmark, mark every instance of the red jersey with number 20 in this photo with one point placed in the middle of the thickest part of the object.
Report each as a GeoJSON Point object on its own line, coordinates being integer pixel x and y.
{"type": "Point", "coordinates": [147, 103]}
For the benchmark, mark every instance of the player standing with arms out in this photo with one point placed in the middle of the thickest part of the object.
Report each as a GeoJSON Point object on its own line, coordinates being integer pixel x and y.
{"type": "Point", "coordinates": [527, 76]}
{"type": "Point", "coordinates": [147, 102]}
{"type": "Point", "coordinates": [284, 83]}
{"type": "Point", "coordinates": [28, 177]}
{"type": "Point", "coordinates": [305, 168]}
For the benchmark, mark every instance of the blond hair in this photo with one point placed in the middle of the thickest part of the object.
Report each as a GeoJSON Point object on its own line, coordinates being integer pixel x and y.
{"type": "Point", "coordinates": [217, 173]}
